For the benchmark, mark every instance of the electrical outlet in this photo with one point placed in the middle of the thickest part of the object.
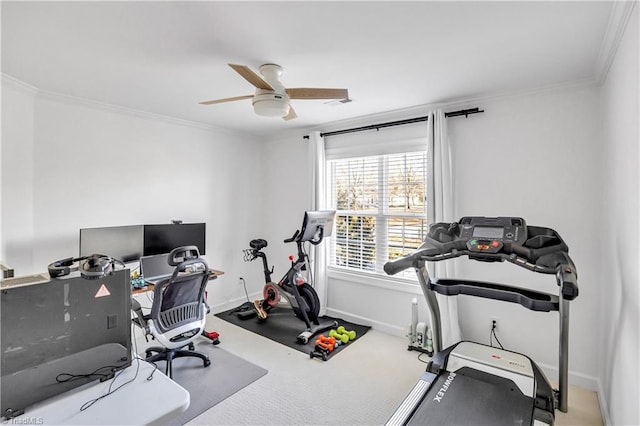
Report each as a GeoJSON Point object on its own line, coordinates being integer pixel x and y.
{"type": "Point", "coordinates": [493, 323]}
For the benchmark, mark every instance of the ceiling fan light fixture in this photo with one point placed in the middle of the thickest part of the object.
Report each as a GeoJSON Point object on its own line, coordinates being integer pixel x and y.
{"type": "Point", "coordinates": [271, 105]}
{"type": "Point", "coordinates": [271, 98]}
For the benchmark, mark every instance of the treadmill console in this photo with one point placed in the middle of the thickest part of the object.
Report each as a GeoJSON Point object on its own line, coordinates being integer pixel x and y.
{"type": "Point", "coordinates": [495, 239]}
{"type": "Point", "coordinates": [489, 235]}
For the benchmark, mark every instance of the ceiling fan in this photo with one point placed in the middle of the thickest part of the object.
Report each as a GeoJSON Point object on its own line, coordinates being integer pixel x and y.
{"type": "Point", "coordinates": [271, 98]}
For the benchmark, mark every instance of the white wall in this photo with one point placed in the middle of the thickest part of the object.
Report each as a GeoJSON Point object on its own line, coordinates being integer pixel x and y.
{"type": "Point", "coordinates": [619, 289]}
{"type": "Point", "coordinates": [547, 150]}
{"type": "Point", "coordinates": [69, 164]}
{"type": "Point", "coordinates": [567, 159]}
{"type": "Point", "coordinates": [532, 156]}
{"type": "Point", "coordinates": [285, 197]}
{"type": "Point", "coordinates": [535, 157]}
{"type": "Point", "coordinates": [16, 225]}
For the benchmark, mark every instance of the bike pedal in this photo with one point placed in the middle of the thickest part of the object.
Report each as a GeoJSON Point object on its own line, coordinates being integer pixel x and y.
{"type": "Point", "coordinates": [262, 314]}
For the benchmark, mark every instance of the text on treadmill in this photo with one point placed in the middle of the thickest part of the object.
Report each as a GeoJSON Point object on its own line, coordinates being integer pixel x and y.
{"type": "Point", "coordinates": [444, 387]}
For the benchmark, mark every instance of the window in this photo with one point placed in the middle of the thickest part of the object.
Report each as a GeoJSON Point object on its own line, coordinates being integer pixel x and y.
{"type": "Point", "coordinates": [380, 204]}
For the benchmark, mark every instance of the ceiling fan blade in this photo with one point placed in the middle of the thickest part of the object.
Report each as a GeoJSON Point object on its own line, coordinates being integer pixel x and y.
{"type": "Point", "coordinates": [315, 93]}
{"type": "Point", "coordinates": [219, 101]}
{"type": "Point", "coordinates": [291, 115]}
{"type": "Point", "coordinates": [251, 76]}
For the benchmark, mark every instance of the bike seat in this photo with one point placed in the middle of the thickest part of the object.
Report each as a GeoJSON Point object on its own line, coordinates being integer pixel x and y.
{"type": "Point", "coordinates": [258, 244]}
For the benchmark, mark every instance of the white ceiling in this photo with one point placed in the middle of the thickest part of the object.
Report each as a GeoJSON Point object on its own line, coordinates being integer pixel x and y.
{"type": "Point", "coordinates": [165, 57]}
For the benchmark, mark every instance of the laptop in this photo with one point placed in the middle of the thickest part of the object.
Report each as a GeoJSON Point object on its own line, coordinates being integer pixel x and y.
{"type": "Point", "coordinates": [155, 268]}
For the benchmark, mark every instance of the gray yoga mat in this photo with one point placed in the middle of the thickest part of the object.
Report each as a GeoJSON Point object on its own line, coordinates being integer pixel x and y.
{"type": "Point", "coordinates": [208, 386]}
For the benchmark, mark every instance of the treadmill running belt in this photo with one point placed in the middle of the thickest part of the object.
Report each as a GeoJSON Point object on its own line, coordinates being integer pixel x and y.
{"type": "Point", "coordinates": [471, 397]}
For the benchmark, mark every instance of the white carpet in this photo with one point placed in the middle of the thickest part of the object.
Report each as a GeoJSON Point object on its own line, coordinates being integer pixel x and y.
{"type": "Point", "coordinates": [362, 386]}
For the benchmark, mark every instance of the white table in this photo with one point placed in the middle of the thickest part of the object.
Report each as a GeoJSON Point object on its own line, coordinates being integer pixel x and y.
{"type": "Point", "coordinates": [141, 402]}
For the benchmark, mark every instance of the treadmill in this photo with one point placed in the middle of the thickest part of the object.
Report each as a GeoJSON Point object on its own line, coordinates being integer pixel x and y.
{"type": "Point", "coordinates": [474, 384]}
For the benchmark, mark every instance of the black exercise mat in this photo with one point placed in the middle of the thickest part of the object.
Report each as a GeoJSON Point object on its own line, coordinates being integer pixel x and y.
{"type": "Point", "coordinates": [283, 326]}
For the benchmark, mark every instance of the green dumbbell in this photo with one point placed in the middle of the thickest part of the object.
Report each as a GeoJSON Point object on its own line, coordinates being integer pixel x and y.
{"type": "Point", "coordinates": [351, 334]}
{"type": "Point", "coordinates": [339, 336]}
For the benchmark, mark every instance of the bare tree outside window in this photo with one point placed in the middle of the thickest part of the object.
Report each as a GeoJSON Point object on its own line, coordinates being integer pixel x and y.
{"type": "Point", "coordinates": [381, 208]}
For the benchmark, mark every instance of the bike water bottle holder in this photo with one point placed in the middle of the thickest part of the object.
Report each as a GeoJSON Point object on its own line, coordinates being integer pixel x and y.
{"type": "Point", "coordinates": [248, 255]}
{"type": "Point", "coordinates": [252, 253]}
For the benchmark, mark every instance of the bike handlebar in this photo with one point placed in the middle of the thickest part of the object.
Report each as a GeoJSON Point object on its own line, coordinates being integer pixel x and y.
{"type": "Point", "coordinates": [293, 238]}
{"type": "Point", "coordinates": [314, 241]}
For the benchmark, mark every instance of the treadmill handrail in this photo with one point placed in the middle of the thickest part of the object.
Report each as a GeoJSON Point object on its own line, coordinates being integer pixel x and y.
{"type": "Point", "coordinates": [425, 254]}
{"type": "Point", "coordinates": [559, 264]}
{"type": "Point", "coordinates": [530, 299]}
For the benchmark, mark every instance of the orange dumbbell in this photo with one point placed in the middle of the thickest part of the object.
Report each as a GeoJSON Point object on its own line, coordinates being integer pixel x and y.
{"type": "Point", "coordinates": [328, 343]}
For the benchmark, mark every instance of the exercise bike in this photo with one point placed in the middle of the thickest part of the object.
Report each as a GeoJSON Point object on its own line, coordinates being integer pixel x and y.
{"type": "Point", "coordinates": [298, 293]}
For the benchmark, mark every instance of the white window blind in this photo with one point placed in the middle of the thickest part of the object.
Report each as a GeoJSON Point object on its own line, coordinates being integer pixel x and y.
{"type": "Point", "coordinates": [380, 203]}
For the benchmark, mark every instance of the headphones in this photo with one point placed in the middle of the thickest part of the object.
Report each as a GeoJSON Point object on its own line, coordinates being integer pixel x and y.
{"type": "Point", "coordinates": [90, 267]}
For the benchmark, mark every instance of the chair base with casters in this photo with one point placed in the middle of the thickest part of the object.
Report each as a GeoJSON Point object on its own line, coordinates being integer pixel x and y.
{"type": "Point", "coordinates": [168, 355]}
{"type": "Point", "coordinates": [173, 344]}
{"type": "Point", "coordinates": [172, 348]}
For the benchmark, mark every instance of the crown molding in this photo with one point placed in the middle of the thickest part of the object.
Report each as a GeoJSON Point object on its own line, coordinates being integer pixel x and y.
{"type": "Point", "coordinates": [18, 84]}
{"type": "Point", "coordinates": [457, 103]}
{"type": "Point", "coordinates": [618, 20]}
{"type": "Point", "coordinates": [89, 103]}
{"type": "Point", "coordinates": [454, 103]}
{"type": "Point", "coordinates": [512, 94]}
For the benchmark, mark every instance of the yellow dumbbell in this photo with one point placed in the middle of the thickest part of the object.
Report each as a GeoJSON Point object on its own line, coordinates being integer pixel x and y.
{"type": "Point", "coordinates": [342, 337]}
{"type": "Point", "coordinates": [351, 334]}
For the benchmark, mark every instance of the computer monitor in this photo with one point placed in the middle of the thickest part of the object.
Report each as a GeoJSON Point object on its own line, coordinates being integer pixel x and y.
{"type": "Point", "coordinates": [124, 243]}
{"type": "Point", "coordinates": [159, 239]}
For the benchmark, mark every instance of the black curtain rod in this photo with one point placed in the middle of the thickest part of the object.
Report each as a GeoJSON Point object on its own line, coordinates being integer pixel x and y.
{"type": "Point", "coordinates": [465, 112]}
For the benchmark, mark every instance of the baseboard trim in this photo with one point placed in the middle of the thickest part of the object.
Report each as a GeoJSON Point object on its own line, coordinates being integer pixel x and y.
{"type": "Point", "coordinates": [578, 379]}
{"type": "Point", "coordinates": [216, 308]}
{"type": "Point", "coordinates": [358, 319]}
{"type": "Point", "coordinates": [604, 406]}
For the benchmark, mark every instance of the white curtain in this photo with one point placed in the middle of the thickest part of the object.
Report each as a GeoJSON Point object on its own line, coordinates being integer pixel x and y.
{"type": "Point", "coordinates": [317, 183]}
{"type": "Point", "coordinates": [440, 209]}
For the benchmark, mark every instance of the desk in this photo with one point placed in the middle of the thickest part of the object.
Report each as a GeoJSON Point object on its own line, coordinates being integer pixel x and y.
{"type": "Point", "coordinates": [141, 402]}
{"type": "Point", "coordinates": [213, 274]}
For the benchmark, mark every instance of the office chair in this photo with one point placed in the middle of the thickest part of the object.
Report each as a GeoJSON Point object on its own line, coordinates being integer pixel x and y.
{"type": "Point", "coordinates": [178, 312]}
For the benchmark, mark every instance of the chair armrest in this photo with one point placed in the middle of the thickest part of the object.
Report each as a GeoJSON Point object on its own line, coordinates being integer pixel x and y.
{"type": "Point", "coordinates": [140, 320]}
